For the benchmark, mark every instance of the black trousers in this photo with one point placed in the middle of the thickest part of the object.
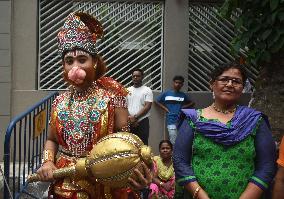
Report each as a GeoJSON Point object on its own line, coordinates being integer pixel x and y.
{"type": "Point", "coordinates": [142, 130]}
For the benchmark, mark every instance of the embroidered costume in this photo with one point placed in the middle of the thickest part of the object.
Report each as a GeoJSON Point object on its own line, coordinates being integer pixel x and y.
{"type": "Point", "coordinates": [80, 119]}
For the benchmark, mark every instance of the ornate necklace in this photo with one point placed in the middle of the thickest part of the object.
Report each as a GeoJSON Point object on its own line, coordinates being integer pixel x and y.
{"type": "Point", "coordinates": [85, 93]}
{"type": "Point", "coordinates": [81, 117]}
{"type": "Point", "coordinates": [224, 111]}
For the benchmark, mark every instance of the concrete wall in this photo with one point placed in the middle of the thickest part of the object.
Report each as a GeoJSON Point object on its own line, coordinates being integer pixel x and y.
{"type": "Point", "coordinates": [175, 61]}
{"type": "Point", "coordinates": [5, 67]}
{"type": "Point", "coordinates": [18, 60]}
{"type": "Point", "coordinates": [25, 93]}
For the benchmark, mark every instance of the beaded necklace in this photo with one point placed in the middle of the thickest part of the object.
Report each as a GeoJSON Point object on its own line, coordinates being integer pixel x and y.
{"type": "Point", "coordinates": [83, 94]}
{"type": "Point", "coordinates": [224, 111]}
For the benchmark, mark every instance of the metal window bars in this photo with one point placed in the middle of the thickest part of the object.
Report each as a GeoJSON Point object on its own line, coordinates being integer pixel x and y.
{"type": "Point", "coordinates": [133, 38]}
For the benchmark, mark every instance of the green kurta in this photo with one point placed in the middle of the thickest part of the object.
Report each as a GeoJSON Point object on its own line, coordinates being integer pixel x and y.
{"type": "Point", "coordinates": [223, 171]}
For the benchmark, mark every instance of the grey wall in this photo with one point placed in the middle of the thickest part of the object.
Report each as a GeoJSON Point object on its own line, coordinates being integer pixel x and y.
{"type": "Point", "coordinates": [24, 45]}
{"type": "Point", "coordinates": [175, 60]}
{"type": "Point", "coordinates": [18, 60]}
{"type": "Point", "coordinates": [5, 67]}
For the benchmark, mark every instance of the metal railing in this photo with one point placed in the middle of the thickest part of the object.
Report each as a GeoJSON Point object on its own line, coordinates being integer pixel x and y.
{"type": "Point", "coordinates": [24, 141]}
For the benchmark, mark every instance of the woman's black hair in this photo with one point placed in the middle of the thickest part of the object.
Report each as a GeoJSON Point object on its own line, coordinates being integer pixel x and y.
{"type": "Point", "coordinates": [165, 141]}
{"type": "Point", "coordinates": [224, 67]}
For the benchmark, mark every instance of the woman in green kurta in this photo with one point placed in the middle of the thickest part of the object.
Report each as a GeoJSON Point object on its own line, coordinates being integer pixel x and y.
{"type": "Point", "coordinates": [223, 169]}
{"type": "Point", "coordinates": [225, 151]}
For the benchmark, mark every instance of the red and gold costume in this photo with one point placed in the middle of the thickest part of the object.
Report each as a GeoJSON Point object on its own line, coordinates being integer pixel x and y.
{"type": "Point", "coordinates": [80, 120]}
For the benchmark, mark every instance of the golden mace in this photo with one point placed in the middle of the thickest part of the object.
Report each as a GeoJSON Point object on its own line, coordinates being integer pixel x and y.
{"type": "Point", "coordinates": [111, 161]}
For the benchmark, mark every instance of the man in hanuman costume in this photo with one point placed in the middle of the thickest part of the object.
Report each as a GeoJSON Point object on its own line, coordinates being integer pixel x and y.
{"type": "Point", "coordinates": [93, 106]}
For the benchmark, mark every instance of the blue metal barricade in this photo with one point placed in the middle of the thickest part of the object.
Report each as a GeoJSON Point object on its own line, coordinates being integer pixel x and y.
{"type": "Point", "coordinates": [24, 141]}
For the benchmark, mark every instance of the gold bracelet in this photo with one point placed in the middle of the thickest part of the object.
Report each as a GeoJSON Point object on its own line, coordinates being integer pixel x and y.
{"type": "Point", "coordinates": [196, 192]}
{"type": "Point", "coordinates": [47, 155]}
{"type": "Point", "coordinates": [125, 128]}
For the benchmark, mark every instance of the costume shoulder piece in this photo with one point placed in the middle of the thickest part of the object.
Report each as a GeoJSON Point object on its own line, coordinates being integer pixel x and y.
{"type": "Point", "coordinates": [60, 98]}
{"type": "Point", "coordinates": [113, 86]}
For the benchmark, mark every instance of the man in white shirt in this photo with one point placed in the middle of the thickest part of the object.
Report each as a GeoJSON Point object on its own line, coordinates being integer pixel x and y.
{"type": "Point", "coordinates": [139, 101]}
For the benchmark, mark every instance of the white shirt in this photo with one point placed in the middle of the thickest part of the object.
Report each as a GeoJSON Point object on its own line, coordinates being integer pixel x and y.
{"type": "Point", "coordinates": [137, 98]}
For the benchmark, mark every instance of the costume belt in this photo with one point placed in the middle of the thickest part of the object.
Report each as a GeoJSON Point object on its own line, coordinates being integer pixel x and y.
{"type": "Point", "coordinates": [72, 155]}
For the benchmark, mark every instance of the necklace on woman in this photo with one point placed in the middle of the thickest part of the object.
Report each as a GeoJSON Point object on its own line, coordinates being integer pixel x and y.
{"type": "Point", "coordinates": [224, 111]}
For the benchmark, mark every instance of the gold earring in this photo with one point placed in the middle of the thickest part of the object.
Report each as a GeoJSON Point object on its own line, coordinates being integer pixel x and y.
{"type": "Point", "coordinates": [95, 66]}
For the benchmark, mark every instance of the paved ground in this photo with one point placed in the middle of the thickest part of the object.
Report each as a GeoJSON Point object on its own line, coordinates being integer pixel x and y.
{"type": "Point", "coordinates": [39, 189]}
{"type": "Point", "coordinates": [1, 179]}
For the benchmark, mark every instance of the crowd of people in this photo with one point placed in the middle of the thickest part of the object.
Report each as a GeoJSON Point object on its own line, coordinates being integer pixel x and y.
{"type": "Point", "coordinates": [223, 151]}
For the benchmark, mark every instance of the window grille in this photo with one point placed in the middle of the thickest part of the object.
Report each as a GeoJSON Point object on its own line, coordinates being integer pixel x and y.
{"type": "Point", "coordinates": [209, 45]}
{"type": "Point", "coordinates": [133, 38]}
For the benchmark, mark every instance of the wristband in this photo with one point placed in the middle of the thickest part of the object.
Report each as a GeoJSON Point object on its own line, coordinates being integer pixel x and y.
{"type": "Point", "coordinates": [48, 155]}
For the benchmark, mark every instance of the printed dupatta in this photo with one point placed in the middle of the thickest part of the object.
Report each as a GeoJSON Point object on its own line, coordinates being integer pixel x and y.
{"type": "Point", "coordinates": [242, 125]}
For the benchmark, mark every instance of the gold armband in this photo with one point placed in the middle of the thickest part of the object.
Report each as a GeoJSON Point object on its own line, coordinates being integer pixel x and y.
{"type": "Point", "coordinates": [48, 155]}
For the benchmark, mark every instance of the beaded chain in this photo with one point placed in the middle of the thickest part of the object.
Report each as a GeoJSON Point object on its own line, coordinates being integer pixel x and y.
{"type": "Point", "coordinates": [224, 111]}
{"type": "Point", "coordinates": [81, 118]}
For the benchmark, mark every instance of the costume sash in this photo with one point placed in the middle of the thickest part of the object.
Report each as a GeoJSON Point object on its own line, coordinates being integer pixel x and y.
{"type": "Point", "coordinates": [242, 125]}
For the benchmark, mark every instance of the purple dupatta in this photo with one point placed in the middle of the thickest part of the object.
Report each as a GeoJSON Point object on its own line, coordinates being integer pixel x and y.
{"type": "Point", "coordinates": [242, 124]}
